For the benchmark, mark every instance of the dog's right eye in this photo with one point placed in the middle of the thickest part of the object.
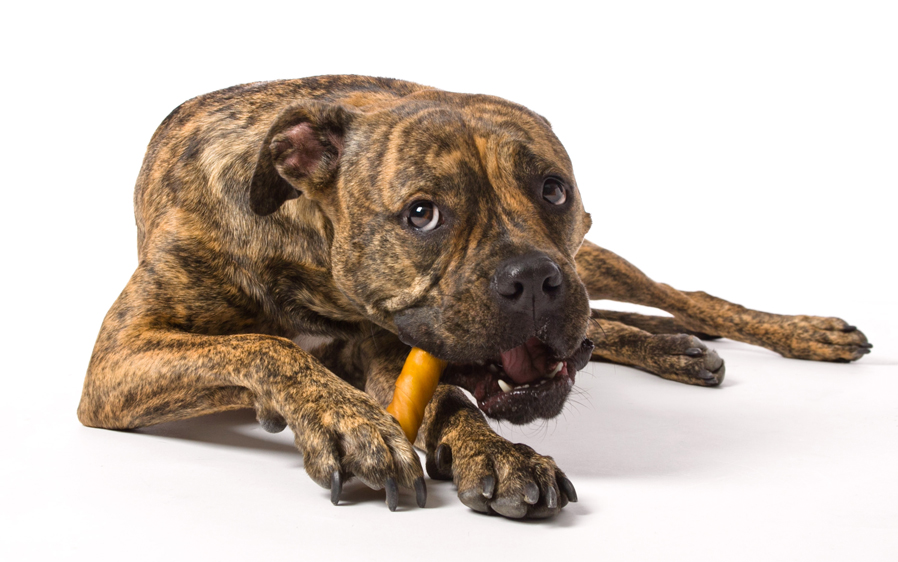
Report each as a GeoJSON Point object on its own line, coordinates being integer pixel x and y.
{"type": "Point", "coordinates": [424, 216]}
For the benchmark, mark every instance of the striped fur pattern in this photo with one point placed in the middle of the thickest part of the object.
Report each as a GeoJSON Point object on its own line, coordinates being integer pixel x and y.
{"type": "Point", "coordinates": [275, 211]}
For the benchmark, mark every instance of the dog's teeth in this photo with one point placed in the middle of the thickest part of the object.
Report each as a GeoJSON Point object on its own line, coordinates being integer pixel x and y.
{"type": "Point", "coordinates": [555, 370]}
{"type": "Point", "coordinates": [524, 386]}
{"type": "Point", "coordinates": [504, 386]}
{"type": "Point", "coordinates": [493, 368]}
{"type": "Point", "coordinates": [479, 362]}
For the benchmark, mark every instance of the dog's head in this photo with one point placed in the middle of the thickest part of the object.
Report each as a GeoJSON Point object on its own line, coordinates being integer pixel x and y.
{"type": "Point", "coordinates": [455, 219]}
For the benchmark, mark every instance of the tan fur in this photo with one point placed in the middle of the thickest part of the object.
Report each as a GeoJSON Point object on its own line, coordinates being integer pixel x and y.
{"type": "Point", "coordinates": [272, 213]}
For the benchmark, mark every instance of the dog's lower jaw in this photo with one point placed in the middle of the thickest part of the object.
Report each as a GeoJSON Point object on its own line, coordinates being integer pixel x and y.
{"type": "Point", "coordinates": [499, 397]}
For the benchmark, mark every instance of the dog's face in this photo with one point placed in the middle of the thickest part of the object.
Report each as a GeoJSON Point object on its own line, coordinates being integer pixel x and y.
{"type": "Point", "coordinates": [456, 221]}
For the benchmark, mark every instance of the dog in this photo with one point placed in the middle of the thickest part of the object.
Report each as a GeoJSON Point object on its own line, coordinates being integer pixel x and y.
{"type": "Point", "coordinates": [296, 238]}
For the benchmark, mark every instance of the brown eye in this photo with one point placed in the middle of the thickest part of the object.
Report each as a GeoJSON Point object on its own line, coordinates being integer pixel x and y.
{"type": "Point", "coordinates": [554, 192]}
{"type": "Point", "coordinates": [424, 216]}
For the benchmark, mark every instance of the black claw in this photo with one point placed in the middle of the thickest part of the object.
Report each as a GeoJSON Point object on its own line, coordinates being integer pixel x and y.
{"type": "Point", "coordinates": [567, 488]}
{"type": "Point", "coordinates": [694, 352]}
{"type": "Point", "coordinates": [864, 350]}
{"type": "Point", "coordinates": [705, 375]}
{"type": "Point", "coordinates": [489, 486]}
{"type": "Point", "coordinates": [439, 463]}
{"type": "Point", "coordinates": [336, 487]}
{"type": "Point", "coordinates": [849, 329]}
{"type": "Point", "coordinates": [531, 493]}
{"type": "Point", "coordinates": [444, 458]}
{"type": "Point", "coordinates": [867, 345]}
{"type": "Point", "coordinates": [420, 491]}
{"type": "Point", "coordinates": [392, 494]}
{"type": "Point", "coordinates": [552, 498]}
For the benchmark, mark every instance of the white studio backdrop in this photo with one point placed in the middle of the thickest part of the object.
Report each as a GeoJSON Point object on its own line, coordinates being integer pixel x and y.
{"type": "Point", "coordinates": [743, 148]}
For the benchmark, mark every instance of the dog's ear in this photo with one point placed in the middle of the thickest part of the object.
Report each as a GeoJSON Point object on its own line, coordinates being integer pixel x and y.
{"type": "Point", "coordinates": [300, 151]}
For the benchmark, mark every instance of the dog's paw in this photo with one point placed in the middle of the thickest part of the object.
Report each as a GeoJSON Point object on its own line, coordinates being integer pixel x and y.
{"type": "Point", "coordinates": [815, 338]}
{"type": "Point", "coordinates": [495, 476]}
{"type": "Point", "coordinates": [349, 436]}
{"type": "Point", "coordinates": [683, 358]}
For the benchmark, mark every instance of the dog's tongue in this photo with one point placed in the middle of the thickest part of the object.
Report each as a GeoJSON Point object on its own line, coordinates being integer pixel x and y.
{"type": "Point", "coordinates": [526, 363]}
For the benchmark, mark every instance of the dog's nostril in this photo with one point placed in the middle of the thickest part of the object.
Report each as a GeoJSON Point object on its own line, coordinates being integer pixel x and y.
{"type": "Point", "coordinates": [532, 277]}
{"type": "Point", "coordinates": [509, 289]}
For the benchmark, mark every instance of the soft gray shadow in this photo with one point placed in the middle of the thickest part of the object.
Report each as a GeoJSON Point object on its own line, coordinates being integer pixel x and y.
{"type": "Point", "coordinates": [628, 424]}
{"type": "Point", "coordinates": [228, 429]}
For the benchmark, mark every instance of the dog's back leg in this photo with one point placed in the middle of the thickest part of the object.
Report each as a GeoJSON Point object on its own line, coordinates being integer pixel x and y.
{"type": "Point", "coordinates": [143, 372]}
{"type": "Point", "coordinates": [608, 276]}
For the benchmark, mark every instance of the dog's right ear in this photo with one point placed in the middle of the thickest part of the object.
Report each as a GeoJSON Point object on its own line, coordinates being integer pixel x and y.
{"type": "Point", "coordinates": [300, 152]}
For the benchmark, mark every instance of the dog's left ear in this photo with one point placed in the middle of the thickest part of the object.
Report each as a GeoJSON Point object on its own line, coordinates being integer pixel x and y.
{"type": "Point", "coordinates": [301, 151]}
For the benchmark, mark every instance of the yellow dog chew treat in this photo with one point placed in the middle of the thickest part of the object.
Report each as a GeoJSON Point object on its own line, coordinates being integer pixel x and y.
{"type": "Point", "coordinates": [414, 388]}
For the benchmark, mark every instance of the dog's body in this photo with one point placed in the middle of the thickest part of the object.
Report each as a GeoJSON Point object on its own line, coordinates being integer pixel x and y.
{"type": "Point", "coordinates": [375, 215]}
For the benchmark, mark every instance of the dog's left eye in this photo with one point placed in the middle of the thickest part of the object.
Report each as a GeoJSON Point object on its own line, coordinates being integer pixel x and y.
{"type": "Point", "coordinates": [424, 216]}
{"type": "Point", "coordinates": [554, 192]}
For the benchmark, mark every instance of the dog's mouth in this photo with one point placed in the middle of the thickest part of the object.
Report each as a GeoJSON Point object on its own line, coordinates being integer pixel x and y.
{"type": "Point", "coordinates": [523, 383]}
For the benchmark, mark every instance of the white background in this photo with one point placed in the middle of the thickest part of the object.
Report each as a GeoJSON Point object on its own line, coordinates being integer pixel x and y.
{"type": "Point", "coordinates": [744, 148]}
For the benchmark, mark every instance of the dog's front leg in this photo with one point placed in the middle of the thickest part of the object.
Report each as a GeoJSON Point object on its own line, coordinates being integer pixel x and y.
{"type": "Point", "coordinates": [491, 474]}
{"type": "Point", "coordinates": [147, 375]}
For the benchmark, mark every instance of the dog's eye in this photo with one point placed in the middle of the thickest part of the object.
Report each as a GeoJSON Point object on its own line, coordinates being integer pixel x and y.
{"type": "Point", "coordinates": [554, 192]}
{"type": "Point", "coordinates": [424, 216]}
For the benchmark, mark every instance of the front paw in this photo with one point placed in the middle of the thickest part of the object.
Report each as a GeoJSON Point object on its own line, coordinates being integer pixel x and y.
{"type": "Point", "coordinates": [347, 435]}
{"type": "Point", "coordinates": [493, 476]}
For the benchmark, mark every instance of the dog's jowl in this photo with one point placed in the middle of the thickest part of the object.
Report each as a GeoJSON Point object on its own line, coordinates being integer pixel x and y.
{"type": "Point", "coordinates": [372, 215]}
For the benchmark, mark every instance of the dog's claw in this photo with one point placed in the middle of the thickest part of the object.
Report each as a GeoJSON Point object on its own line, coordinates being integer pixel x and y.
{"type": "Point", "coordinates": [392, 494]}
{"type": "Point", "coordinates": [420, 491]}
{"type": "Point", "coordinates": [551, 498]}
{"type": "Point", "coordinates": [336, 487]}
{"type": "Point", "coordinates": [694, 352]}
{"type": "Point", "coordinates": [489, 486]}
{"type": "Point", "coordinates": [444, 458]}
{"type": "Point", "coordinates": [568, 488]}
{"type": "Point", "coordinates": [439, 463]}
{"type": "Point", "coordinates": [531, 493]}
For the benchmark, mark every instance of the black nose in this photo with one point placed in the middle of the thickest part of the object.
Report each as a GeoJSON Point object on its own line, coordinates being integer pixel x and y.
{"type": "Point", "coordinates": [529, 284]}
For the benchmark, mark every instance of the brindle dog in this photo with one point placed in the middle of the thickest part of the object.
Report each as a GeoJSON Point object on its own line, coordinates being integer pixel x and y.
{"type": "Point", "coordinates": [374, 215]}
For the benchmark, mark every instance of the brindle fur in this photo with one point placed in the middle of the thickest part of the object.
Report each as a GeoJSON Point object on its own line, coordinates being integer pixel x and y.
{"type": "Point", "coordinates": [246, 242]}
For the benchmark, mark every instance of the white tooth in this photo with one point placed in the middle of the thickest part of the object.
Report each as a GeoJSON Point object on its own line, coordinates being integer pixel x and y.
{"type": "Point", "coordinates": [555, 370]}
{"type": "Point", "coordinates": [493, 368]}
{"type": "Point", "coordinates": [524, 386]}
{"type": "Point", "coordinates": [504, 386]}
{"type": "Point", "coordinates": [479, 362]}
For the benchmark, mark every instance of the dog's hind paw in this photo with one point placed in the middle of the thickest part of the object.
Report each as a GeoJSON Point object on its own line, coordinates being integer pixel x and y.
{"type": "Point", "coordinates": [683, 358]}
{"type": "Point", "coordinates": [816, 338]}
{"type": "Point", "coordinates": [498, 477]}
